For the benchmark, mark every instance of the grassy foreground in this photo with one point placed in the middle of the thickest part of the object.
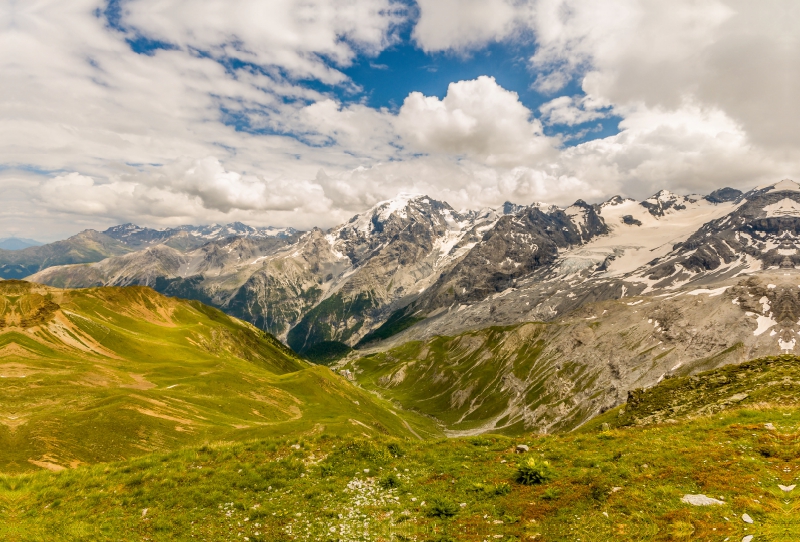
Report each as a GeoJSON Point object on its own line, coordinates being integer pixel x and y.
{"type": "Point", "coordinates": [619, 484]}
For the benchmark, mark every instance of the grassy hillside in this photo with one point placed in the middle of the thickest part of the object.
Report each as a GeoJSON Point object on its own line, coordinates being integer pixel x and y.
{"type": "Point", "coordinates": [107, 374]}
{"type": "Point", "coordinates": [207, 429]}
{"type": "Point", "coordinates": [621, 484]}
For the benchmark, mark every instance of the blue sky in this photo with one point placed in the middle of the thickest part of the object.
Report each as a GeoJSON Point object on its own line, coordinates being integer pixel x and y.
{"type": "Point", "coordinates": [385, 80]}
{"type": "Point", "coordinates": [304, 112]}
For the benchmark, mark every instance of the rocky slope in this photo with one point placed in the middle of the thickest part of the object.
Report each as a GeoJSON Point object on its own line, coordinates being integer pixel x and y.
{"type": "Point", "coordinates": [415, 265]}
{"type": "Point", "coordinates": [189, 237]}
{"type": "Point", "coordinates": [555, 376]}
{"type": "Point", "coordinates": [339, 286]}
{"type": "Point", "coordinates": [592, 300]}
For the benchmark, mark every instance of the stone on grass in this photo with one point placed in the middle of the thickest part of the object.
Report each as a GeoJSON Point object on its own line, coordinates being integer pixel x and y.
{"type": "Point", "coordinates": [701, 500]}
{"type": "Point", "coordinates": [787, 489]}
{"type": "Point", "coordinates": [521, 449]}
{"type": "Point", "coordinates": [747, 538]}
{"type": "Point", "coordinates": [746, 518]}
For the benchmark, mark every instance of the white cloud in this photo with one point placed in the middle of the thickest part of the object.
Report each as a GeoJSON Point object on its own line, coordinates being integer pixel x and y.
{"type": "Point", "coordinates": [572, 110]}
{"type": "Point", "coordinates": [477, 118]}
{"type": "Point", "coordinates": [706, 89]}
{"type": "Point", "coordinates": [706, 92]}
{"type": "Point", "coordinates": [289, 34]}
{"type": "Point", "coordinates": [464, 24]}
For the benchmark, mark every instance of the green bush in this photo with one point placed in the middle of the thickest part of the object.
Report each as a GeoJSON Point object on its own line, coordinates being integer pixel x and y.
{"type": "Point", "coordinates": [395, 449]}
{"type": "Point", "coordinates": [442, 508]}
{"type": "Point", "coordinates": [533, 472]}
{"type": "Point", "coordinates": [390, 481]}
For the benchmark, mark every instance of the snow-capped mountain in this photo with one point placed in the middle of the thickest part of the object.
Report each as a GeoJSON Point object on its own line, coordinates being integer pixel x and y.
{"type": "Point", "coordinates": [415, 260]}
{"type": "Point", "coordinates": [192, 236]}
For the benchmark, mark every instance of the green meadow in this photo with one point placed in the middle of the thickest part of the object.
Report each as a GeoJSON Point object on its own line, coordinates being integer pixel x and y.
{"type": "Point", "coordinates": [126, 415]}
{"type": "Point", "coordinates": [618, 484]}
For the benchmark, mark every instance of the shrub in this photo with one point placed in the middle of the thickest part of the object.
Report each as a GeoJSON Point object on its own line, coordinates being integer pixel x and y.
{"type": "Point", "coordinates": [395, 449]}
{"type": "Point", "coordinates": [442, 508]}
{"type": "Point", "coordinates": [390, 481]}
{"type": "Point", "coordinates": [532, 472]}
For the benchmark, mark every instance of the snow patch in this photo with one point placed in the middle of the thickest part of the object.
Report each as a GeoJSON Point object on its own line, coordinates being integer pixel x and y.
{"type": "Point", "coordinates": [711, 293]}
{"type": "Point", "coordinates": [764, 323]}
{"type": "Point", "coordinates": [786, 185]}
{"type": "Point", "coordinates": [785, 207]}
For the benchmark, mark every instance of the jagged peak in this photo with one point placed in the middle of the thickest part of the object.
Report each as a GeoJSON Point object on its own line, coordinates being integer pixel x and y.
{"type": "Point", "coordinates": [546, 208]}
{"type": "Point", "coordinates": [615, 200]}
{"type": "Point", "coordinates": [664, 195]}
{"type": "Point", "coordinates": [580, 203]}
{"type": "Point", "coordinates": [510, 208]}
{"type": "Point", "coordinates": [398, 206]}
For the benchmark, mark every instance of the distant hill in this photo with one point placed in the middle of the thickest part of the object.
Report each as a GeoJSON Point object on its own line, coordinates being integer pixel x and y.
{"type": "Point", "coordinates": [104, 374]}
{"type": "Point", "coordinates": [85, 247]}
{"type": "Point", "coordinates": [17, 243]}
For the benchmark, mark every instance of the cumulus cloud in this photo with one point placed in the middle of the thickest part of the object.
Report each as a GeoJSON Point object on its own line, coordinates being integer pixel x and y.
{"type": "Point", "coordinates": [706, 93]}
{"type": "Point", "coordinates": [705, 89]}
{"type": "Point", "coordinates": [477, 118]}
{"type": "Point", "coordinates": [465, 24]}
{"type": "Point", "coordinates": [572, 110]}
{"type": "Point", "coordinates": [291, 34]}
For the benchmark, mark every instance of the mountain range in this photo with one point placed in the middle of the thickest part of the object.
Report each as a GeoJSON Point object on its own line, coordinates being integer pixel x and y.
{"type": "Point", "coordinates": [403, 259]}
{"type": "Point", "coordinates": [572, 307]}
{"type": "Point", "coordinates": [16, 243]}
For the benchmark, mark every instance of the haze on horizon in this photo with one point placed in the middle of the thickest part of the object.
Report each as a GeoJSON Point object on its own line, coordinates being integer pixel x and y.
{"type": "Point", "coordinates": [301, 114]}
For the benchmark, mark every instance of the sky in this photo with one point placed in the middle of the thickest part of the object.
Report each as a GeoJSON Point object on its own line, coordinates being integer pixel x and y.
{"type": "Point", "coordinates": [303, 113]}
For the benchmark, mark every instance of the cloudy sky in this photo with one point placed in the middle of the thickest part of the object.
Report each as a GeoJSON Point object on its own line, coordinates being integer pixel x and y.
{"type": "Point", "coordinates": [305, 112]}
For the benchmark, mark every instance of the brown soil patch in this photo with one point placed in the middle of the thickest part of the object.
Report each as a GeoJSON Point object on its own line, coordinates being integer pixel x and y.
{"type": "Point", "coordinates": [154, 414]}
{"type": "Point", "coordinates": [140, 382]}
{"type": "Point", "coordinates": [13, 350]}
{"type": "Point", "coordinates": [15, 370]}
{"type": "Point", "coordinates": [55, 467]}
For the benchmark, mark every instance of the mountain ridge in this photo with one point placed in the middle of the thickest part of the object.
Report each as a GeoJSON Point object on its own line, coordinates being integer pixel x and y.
{"type": "Point", "coordinates": [413, 258]}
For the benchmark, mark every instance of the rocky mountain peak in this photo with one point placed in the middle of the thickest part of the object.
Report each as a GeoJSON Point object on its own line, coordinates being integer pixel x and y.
{"type": "Point", "coordinates": [614, 201]}
{"type": "Point", "coordinates": [663, 201]}
{"type": "Point", "coordinates": [723, 195]}
{"type": "Point", "coordinates": [511, 208]}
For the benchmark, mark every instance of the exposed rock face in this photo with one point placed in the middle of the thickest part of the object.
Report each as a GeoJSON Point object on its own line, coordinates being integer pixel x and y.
{"type": "Point", "coordinates": [554, 376]}
{"type": "Point", "coordinates": [663, 201]}
{"type": "Point", "coordinates": [763, 229]}
{"type": "Point", "coordinates": [515, 247]}
{"type": "Point", "coordinates": [394, 252]}
{"type": "Point", "coordinates": [414, 258]}
{"type": "Point", "coordinates": [723, 195]}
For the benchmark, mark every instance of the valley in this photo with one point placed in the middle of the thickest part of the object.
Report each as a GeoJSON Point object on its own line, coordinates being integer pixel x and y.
{"type": "Point", "coordinates": [213, 381]}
